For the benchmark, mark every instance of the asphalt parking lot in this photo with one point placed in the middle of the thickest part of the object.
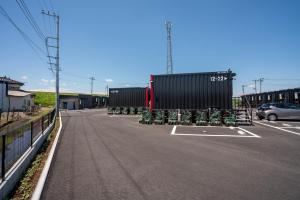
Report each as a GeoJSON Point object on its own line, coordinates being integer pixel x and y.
{"type": "Point", "coordinates": [114, 157]}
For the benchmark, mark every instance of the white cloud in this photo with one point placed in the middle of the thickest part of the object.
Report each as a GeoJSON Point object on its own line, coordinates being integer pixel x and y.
{"type": "Point", "coordinates": [251, 86]}
{"type": "Point", "coordinates": [52, 81]}
{"type": "Point", "coordinates": [44, 81]}
{"type": "Point", "coordinates": [24, 77]}
{"type": "Point", "coordinates": [127, 85]}
{"type": "Point", "coordinates": [64, 84]}
{"type": "Point", "coordinates": [52, 89]}
{"type": "Point", "coordinates": [109, 80]}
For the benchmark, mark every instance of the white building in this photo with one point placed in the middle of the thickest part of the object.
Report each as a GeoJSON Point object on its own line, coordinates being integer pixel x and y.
{"type": "Point", "coordinates": [12, 98]}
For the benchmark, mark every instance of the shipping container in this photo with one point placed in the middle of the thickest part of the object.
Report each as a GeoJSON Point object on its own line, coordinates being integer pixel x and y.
{"type": "Point", "coordinates": [85, 101]}
{"type": "Point", "coordinates": [280, 96]}
{"type": "Point", "coordinates": [191, 91]}
{"type": "Point", "coordinates": [99, 101]}
{"type": "Point", "coordinates": [128, 97]}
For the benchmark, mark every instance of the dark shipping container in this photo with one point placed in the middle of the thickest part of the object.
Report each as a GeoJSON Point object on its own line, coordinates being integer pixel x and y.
{"type": "Point", "coordinates": [281, 96]}
{"type": "Point", "coordinates": [192, 91]}
{"type": "Point", "coordinates": [128, 97]}
{"type": "Point", "coordinates": [85, 101]}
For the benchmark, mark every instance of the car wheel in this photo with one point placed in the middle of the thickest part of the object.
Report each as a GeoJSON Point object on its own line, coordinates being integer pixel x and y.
{"type": "Point", "coordinates": [272, 117]}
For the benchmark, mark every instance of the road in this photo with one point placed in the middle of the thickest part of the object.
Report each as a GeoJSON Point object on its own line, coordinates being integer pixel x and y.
{"type": "Point", "coordinates": [114, 157]}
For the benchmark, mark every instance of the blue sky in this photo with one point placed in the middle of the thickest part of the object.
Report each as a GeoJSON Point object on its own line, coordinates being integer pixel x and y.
{"type": "Point", "coordinates": [123, 42]}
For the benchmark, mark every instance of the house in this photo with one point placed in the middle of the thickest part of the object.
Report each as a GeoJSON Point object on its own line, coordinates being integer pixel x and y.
{"type": "Point", "coordinates": [12, 97]}
{"type": "Point", "coordinates": [81, 101]}
{"type": "Point", "coordinates": [69, 101]}
{"type": "Point", "coordinates": [75, 101]}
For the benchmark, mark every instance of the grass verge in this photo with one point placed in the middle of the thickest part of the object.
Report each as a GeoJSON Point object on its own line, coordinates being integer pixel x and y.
{"type": "Point", "coordinates": [27, 184]}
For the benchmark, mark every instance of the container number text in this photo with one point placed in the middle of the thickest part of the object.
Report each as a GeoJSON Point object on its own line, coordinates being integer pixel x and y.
{"type": "Point", "coordinates": [218, 78]}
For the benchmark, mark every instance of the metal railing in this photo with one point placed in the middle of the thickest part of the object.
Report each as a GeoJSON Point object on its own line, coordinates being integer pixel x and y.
{"type": "Point", "coordinates": [239, 103]}
{"type": "Point", "coordinates": [15, 141]}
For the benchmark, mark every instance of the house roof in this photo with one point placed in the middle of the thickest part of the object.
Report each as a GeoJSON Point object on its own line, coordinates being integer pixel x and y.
{"type": "Point", "coordinates": [18, 93]}
{"type": "Point", "coordinates": [5, 79]}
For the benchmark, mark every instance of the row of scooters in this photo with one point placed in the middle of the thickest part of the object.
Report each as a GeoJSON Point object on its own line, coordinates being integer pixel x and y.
{"type": "Point", "coordinates": [212, 117]}
{"type": "Point", "coordinates": [125, 110]}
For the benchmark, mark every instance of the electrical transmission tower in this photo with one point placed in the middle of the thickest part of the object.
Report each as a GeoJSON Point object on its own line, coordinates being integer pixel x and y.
{"type": "Point", "coordinates": [169, 48]}
{"type": "Point", "coordinates": [92, 83]}
{"type": "Point", "coordinates": [57, 69]}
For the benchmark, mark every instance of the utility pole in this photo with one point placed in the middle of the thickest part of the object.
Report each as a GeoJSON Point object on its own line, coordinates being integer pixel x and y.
{"type": "Point", "coordinates": [107, 89]}
{"type": "Point", "coordinates": [57, 69]}
{"type": "Point", "coordinates": [169, 48]}
{"type": "Point", "coordinates": [260, 80]}
{"type": "Point", "coordinates": [255, 88]}
{"type": "Point", "coordinates": [243, 88]}
{"type": "Point", "coordinates": [92, 83]}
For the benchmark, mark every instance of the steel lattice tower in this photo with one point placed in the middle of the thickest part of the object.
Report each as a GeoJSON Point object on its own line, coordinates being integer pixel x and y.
{"type": "Point", "coordinates": [169, 48]}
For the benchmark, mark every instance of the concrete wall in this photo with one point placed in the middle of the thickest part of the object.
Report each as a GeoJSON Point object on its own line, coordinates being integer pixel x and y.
{"type": "Point", "coordinates": [3, 98]}
{"type": "Point", "coordinates": [20, 103]}
{"type": "Point", "coordinates": [16, 172]}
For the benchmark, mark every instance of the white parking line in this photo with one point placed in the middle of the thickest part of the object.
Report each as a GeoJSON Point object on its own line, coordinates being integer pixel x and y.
{"type": "Point", "coordinates": [123, 116]}
{"type": "Point", "coordinates": [241, 132]}
{"type": "Point", "coordinates": [282, 129]}
{"type": "Point", "coordinates": [173, 130]}
{"type": "Point", "coordinates": [254, 135]}
{"type": "Point", "coordinates": [286, 125]}
{"type": "Point", "coordinates": [296, 127]}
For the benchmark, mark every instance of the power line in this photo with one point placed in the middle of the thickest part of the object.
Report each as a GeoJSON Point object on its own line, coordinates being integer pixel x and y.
{"type": "Point", "coordinates": [27, 39]}
{"type": "Point", "coordinates": [280, 79]}
{"type": "Point", "coordinates": [22, 5]}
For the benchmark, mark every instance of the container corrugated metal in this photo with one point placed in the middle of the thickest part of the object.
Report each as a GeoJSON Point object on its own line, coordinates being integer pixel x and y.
{"type": "Point", "coordinates": [192, 91]}
{"type": "Point", "coordinates": [128, 97]}
{"type": "Point", "coordinates": [283, 96]}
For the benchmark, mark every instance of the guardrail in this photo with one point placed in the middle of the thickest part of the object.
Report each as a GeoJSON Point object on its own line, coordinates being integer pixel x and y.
{"type": "Point", "coordinates": [14, 142]}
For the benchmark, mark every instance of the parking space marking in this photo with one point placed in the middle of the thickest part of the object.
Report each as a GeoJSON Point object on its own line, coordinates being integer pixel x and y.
{"type": "Point", "coordinates": [282, 129]}
{"type": "Point", "coordinates": [241, 132]}
{"type": "Point", "coordinates": [253, 134]}
{"type": "Point", "coordinates": [124, 116]}
{"type": "Point", "coordinates": [289, 127]}
{"type": "Point", "coordinates": [286, 125]}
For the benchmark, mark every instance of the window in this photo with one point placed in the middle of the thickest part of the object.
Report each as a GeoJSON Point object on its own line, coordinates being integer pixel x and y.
{"type": "Point", "coordinates": [280, 96]}
{"type": "Point", "coordinates": [280, 105]}
{"type": "Point", "coordinates": [269, 97]}
{"type": "Point", "coordinates": [296, 95]}
{"type": "Point", "coordinates": [259, 97]}
{"type": "Point", "coordinates": [252, 98]}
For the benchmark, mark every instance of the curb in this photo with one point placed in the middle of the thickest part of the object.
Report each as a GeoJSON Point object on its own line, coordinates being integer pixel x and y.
{"type": "Point", "coordinates": [41, 182]}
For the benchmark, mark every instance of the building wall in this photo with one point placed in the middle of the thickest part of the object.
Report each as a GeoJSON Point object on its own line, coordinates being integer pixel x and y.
{"type": "Point", "coordinates": [20, 103]}
{"type": "Point", "coordinates": [69, 103]}
{"type": "Point", "coordinates": [3, 97]}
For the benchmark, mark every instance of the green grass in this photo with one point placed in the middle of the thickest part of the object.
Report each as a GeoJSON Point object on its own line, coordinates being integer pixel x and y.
{"type": "Point", "coordinates": [47, 99]}
{"type": "Point", "coordinates": [44, 99]}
